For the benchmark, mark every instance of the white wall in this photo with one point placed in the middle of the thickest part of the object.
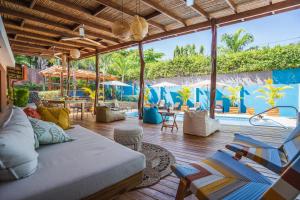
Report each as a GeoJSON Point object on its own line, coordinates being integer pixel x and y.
{"type": "Point", "coordinates": [6, 54]}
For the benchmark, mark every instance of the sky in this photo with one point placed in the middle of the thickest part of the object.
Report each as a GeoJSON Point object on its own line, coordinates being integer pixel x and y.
{"type": "Point", "coordinates": [277, 29]}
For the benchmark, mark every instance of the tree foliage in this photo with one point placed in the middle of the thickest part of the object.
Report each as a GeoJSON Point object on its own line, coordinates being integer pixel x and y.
{"type": "Point", "coordinates": [237, 41]}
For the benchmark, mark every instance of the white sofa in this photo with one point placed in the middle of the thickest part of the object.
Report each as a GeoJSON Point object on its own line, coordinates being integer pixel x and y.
{"type": "Point", "coordinates": [199, 123]}
{"type": "Point", "coordinates": [75, 170]}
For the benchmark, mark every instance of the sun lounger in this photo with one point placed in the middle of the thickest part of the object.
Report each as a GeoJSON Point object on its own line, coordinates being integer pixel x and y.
{"type": "Point", "coordinates": [273, 158]}
{"type": "Point", "coordinates": [223, 177]}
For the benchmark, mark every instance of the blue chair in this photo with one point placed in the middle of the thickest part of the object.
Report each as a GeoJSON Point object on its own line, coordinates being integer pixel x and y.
{"type": "Point", "coordinates": [152, 116]}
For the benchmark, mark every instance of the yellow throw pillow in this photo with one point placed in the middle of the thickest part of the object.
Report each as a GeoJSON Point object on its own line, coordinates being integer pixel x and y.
{"type": "Point", "coordinates": [59, 116]}
{"type": "Point", "coordinates": [64, 119]}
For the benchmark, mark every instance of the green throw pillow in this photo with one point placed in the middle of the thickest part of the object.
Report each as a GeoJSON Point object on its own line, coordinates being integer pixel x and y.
{"type": "Point", "coordinates": [48, 132]}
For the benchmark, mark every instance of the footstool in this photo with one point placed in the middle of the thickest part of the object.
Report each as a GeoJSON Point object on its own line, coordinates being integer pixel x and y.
{"type": "Point", "coordinates": [130, 137]}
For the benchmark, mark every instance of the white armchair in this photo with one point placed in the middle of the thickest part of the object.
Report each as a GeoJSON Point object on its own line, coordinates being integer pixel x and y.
{"type": "Point", "coordinates": [199, 123]}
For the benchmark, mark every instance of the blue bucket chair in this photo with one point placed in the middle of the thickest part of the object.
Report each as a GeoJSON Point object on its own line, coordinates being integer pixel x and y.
{"type": "Point", "coordinates": [152, 116]}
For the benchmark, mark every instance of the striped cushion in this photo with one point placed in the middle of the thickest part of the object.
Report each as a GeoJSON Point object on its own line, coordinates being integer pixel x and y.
{"type": "Point", "coordinates": [292, 148]}
{"type": "Point", "coordinates": [222, 177]}
{"type": "Point", "coordinates": [288, 185]}
{"type": "Point", "coordinates": [293, 134]}
{"type": "Point", "coordinates": [246, 141]}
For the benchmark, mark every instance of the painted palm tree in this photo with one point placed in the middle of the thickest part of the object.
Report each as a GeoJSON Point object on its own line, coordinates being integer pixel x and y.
{"type": "Point", "coordinates": [271, 93]}
{"type": "Point", "coordinates": [237, 41]}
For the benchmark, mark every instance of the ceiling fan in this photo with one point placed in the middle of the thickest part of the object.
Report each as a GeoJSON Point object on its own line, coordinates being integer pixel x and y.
{"type": "Point", "coordinates": [55, 55]}
{"type": "Point", "coordinates": [82, 37]}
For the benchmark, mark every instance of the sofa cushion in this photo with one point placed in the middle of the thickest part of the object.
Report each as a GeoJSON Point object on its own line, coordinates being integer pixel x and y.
{"type": "Point", "coordinates": [59, 116]}
{"type": "Point", "coordinates": [48, 132]}
{"type": "Point", "coordinates": [18, 158]}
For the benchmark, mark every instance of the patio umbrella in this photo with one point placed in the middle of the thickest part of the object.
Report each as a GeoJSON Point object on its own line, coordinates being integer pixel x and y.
{"type": "Point", "coordinates": [206, 84]}
{"type": "Point", "coordinates": [163, 84]}
{"type": "Point", "coordinates": [116, 83]}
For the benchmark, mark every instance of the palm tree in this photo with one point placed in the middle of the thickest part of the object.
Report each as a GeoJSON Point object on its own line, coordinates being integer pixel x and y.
{"type": "Point", "coordinates": [105, 62]}
{"type": "Point", "coordinates": [121, 63]}
{"type": "Point", "coordinates": [237, 41]}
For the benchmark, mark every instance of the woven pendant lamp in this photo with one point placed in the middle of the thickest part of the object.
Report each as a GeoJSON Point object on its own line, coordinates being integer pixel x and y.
{"type": "Point", "coordinates": [139, 28]}
{"type": "Point", "coordinates": [74, 53]}
{"type": "Point", "coordinates": [121, 30]}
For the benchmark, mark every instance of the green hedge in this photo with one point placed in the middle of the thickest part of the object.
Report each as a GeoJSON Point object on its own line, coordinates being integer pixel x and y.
{"type": "Point", "coordinates": [21, 97]}
{"type": "Point", "coordinates": [265, 59]}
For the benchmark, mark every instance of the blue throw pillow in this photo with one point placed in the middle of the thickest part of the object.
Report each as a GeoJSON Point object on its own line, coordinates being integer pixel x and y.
{"type": "Point", "coordinates": [48, 132]}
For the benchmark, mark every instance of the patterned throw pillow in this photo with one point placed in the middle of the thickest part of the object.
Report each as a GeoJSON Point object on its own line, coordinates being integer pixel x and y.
{"type": "Point", "coordinates": [48, 132]}
{"type": "Point", "coordinates": [31, 112]}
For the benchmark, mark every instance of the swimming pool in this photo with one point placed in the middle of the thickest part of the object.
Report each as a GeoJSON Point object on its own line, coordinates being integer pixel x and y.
{"type": "Point", "coordinates": [240, 120]}
{"type": "Point", "coordinates": [236, 120]}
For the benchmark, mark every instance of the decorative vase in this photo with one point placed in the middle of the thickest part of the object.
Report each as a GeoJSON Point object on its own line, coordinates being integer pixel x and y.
{"type": "Point", "coordinates": [184, 108]}
{"type": "Point", "coordinates": [274, 112]}
{"type": "Point", "coordinates": [250, 111]}
{"type": "Point", "coordinates": [234, 110]}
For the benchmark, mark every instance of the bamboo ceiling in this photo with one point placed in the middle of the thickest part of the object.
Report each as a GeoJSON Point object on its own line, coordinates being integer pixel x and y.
{"type": "Point", "coordinates": [36, 27]}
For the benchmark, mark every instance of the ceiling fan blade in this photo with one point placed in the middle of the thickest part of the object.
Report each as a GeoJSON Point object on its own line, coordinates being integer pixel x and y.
{"type": "Point", "coordinates": [73, 38]}
{"type": "Point", "coordinates": [59, 58]}
{"type": "Point", "coordinates": [92, 41]}
{"type": "Point", "coordinates": [58, 53]}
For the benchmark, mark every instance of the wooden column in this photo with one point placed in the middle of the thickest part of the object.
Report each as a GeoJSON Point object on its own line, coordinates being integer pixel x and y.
{"type": "Point", "coordinates": [68, 76]}
{"type": "Point", "coordinates": [97, 80]}
{"type": "Point", "coordinates": [142, 71]}
{"type": "Point", "coordinates": [61, 83]}
{"type": "Point", "coordinates": [213, 77]}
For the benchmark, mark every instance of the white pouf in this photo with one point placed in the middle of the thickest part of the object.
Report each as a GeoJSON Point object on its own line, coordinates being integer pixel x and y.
{"type": "Point", "coordinates": [130, 137]}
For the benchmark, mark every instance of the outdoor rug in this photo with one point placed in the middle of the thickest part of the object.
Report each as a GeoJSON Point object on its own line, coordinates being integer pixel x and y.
{"type": "Point", "coordinates": [158, 163]}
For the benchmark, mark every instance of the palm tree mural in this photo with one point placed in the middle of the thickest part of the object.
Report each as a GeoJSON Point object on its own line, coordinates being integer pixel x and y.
{"type": "Point", "coordinates": [237, 41]}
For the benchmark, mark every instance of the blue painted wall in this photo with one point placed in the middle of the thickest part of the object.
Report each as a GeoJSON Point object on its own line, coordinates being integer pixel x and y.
{"type": "Point", "coordinates": [248, 94]}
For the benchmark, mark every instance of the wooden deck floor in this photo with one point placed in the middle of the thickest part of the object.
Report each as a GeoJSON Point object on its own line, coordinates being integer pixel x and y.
{"type": "Point", "coordinates": [185, 148]}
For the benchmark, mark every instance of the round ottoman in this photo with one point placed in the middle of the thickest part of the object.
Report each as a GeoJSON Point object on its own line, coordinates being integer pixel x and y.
{"type": "Point", "coordinates": [130, 137]}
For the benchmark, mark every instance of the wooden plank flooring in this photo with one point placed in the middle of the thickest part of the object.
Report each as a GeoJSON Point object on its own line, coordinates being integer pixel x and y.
{"type": "Point", "coordinates": [185, 148]}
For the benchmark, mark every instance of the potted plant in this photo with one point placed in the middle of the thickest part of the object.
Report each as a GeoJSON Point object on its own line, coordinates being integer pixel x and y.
{"type": "Point", "coordinates": [234, 97]}
{"type": "Point", "coordinates": [270, 94]}
{"type": "Point", "coordinates": [147, 97]}
{"type": "Point", "coordinates": [184, 94]}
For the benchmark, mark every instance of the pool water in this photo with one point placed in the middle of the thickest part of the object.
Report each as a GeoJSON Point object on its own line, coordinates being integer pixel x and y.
{"type": "Point", "coordinates": [222, 119]}
{"type": "Point", "coordinates": [238, 120]}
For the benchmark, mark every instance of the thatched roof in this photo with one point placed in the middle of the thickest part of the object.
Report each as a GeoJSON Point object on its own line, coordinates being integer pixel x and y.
{"type": "Point", "coordinates": [55, 71]}
{"type": "Point", "coordinates": [36, 27]}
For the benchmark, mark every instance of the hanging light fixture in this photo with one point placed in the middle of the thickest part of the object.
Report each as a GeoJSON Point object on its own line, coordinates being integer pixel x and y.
{"type": "Point", "coordinates": [139, 26]}
{"type": "Point", "coordinates": [74, 53]}
{"type": "Point", "coordinates": [121, 29]}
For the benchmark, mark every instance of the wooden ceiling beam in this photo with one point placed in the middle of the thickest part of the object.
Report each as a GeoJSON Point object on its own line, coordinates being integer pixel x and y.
{"type": "Point", "coordinates": [232, 5]}
{"type": "Point", "coordinates": [70, 18]}
{"type": "Point", "coordinates": [98, 10]}
{"type": "Point", "coordinates": [199, 10]}
{"type": "Point", "coordinates": [267, 10]}
{"type": "Point", "coordinates": [73, 6]}
{"type": "Point", "coordinates": [21, 15]}
{"type": "Point", "coordinates": [33, 2]}
{"type": "Point", "coordinates": [119, 8]}
{"type": "Point", "coordinates": [152, 15]}
{"type": "Point", "coordinates": [47, 38]}
{"type": "Point", "coordinates": [164, 11]}
{"type": "Point", "coordinates": [44, 43]}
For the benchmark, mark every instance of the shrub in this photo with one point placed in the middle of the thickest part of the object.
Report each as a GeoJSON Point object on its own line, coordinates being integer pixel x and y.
{"type": "Point", "coordinates": [21, 97]}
